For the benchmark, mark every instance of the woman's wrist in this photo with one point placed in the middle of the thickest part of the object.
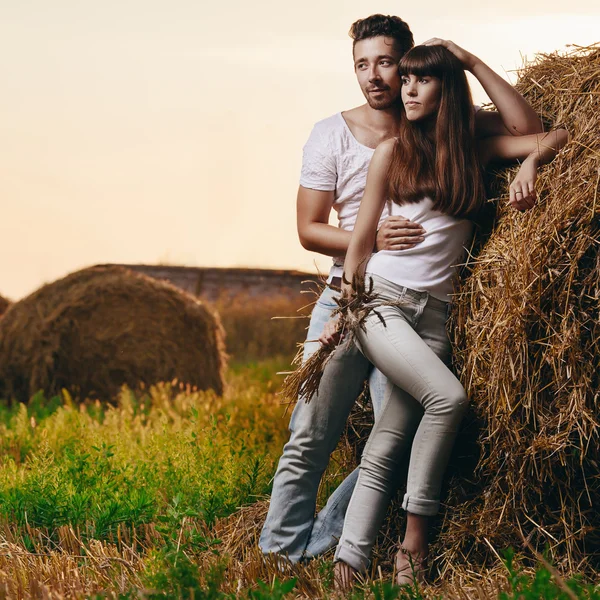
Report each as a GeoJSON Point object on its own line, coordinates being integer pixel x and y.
{"type": "Point", "coordinates": [472, 62]}
{"type": "Point", "coordinates": [533, 159]}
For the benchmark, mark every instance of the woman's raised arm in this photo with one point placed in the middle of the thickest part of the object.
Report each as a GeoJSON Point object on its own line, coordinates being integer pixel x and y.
{"type": "Point", "coordinates": [542, 147]}
{"type": "Point", "coordinates": [515, 116]}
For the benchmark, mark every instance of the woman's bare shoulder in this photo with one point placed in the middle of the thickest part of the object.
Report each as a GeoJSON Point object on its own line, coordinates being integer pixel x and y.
{"type": "Point", "coordinates": [387, 146]}
{"type": "Point", "coordinates": [382, 158]}
{"type": "Point", "coordinates": [385, 150]}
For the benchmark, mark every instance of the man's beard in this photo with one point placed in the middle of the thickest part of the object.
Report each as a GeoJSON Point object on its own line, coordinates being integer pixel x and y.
{"type": "Point", "coordinates": [381, 104]}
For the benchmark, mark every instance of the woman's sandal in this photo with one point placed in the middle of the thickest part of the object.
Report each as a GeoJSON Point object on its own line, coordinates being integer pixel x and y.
{"type": "Point", "coordinates": [410, 569]}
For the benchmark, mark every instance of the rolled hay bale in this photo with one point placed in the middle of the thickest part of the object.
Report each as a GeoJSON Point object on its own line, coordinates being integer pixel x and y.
{"type": "Point", "coordinates": [526, 336]}
{"type": "Point", "coordinates": [4, 305]}
{"type": "Point", "coordinates": [102, 327]}
{"type": "Point", "coordinates": [527, 347]}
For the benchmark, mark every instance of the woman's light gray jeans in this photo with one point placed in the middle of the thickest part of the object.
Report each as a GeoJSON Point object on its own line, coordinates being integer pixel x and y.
{"type": "Point", "coordinates": [291, 528]}
{"type": "Point", "coordinates": [423, 407]}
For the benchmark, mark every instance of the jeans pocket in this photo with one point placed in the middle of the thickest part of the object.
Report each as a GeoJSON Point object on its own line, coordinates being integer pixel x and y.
{"type": "Point", "coordinates": [388, 291]}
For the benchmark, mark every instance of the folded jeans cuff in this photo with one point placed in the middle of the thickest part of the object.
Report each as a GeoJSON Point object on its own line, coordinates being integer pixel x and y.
{"type": "Point", "coordinates": [420, 506]}
{"type": "Point", "coordinates": [351, 556]}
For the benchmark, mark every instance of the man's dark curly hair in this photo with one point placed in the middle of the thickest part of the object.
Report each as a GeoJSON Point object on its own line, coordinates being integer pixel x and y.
{"type": "Point", "coordinates": [386, 25]}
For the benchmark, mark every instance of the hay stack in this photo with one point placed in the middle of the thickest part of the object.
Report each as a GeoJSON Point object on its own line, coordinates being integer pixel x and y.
{"type": "Point", "coordinates": [526, 332]}
{"type": "Point", "coordinates": [102, 327]}
{"type": "Point", "coordinates": [4, 304]}
{"type": "Point", "coordinates": [527, 346]}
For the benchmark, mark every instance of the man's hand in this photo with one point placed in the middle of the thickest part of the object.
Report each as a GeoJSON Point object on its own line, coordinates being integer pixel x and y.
{"type": "Point", "coordinates": [330, 335]}
{"type": "Point", "coordinates": [522, 188]}
{"type": "Point", "coordinates": [467, 59]}
{"type": "Point", "coordinates": [398, 233]}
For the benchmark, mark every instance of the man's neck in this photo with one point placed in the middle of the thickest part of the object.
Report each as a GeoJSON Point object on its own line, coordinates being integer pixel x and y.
{"type": "Point", "coordinates": [371, 127]}
{"type": "Point", "coordinates": [383, 121]}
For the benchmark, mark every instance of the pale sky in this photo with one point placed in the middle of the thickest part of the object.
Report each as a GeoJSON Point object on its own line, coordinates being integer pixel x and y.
{"type": "Point", "coordinates": [153, 131]}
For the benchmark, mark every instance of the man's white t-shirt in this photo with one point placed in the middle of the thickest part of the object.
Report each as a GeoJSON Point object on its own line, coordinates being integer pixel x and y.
{"type": "Point", "coordinates": [334, 160]}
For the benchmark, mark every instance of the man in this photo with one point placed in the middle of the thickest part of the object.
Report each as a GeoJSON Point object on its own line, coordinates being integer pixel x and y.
{"type": "Point", "coordinates": [335, 163]}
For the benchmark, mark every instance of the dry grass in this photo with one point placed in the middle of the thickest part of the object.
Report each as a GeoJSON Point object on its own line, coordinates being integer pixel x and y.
{"type": "Point", "coordinates": [239, 534]}
{"type": "Point", "coordinates": [94, 568]}
{"type": "Point", "coordinates": [112, 569]}
{"type": "Point", "coordinates": [251, 331]}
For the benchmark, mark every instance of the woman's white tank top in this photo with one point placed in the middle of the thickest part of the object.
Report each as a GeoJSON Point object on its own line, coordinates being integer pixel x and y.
{"type": "Point", "coordinates": [431, 265]}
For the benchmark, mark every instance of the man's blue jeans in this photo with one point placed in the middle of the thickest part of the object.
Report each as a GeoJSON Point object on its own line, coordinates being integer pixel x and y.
{"type": "Point", "coordinates": [291, 528]}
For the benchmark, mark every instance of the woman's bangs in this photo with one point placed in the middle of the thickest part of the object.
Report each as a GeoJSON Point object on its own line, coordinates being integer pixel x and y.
{"type": "Point", "coordinates": [421, 61]}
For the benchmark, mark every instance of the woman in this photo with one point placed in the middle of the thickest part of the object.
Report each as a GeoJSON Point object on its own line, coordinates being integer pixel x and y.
{"type": "Point", "coordinates": [432, 173]}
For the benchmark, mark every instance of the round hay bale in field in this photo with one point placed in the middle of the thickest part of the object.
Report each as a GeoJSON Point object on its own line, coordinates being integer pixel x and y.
{"type": "Point", "coordinates": [4, 305]}
{"type": "Point", "coordinates": [103, 327]}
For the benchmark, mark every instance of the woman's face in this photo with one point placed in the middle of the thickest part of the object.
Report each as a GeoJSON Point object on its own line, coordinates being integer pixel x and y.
{"type": "Point", "coordinates": [421, 96]}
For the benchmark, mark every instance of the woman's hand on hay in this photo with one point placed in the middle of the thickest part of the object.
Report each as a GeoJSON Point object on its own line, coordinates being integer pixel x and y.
{"type": "Point", "coordinates": [331, 333]}
{"type": "Point", "coordinates": [522, 189]}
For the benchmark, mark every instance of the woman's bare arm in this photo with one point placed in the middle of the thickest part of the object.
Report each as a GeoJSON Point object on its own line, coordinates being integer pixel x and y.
{"type": "Point", "coordinates": [371, 206]}
{"type": "Point", "coordinates": [532, 150]}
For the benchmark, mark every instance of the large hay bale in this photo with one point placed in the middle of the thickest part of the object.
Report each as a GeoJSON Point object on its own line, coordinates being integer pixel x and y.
{"type": "Point", "coordinates": [527, 343]}
{"type": "Point", "coordinates": [103, 327]}
{"type": "Point", "coordinates": [526, 332]}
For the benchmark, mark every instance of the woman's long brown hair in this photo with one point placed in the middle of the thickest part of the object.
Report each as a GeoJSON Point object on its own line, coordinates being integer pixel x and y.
{"type": "Point", "coordinates": [443, 166]}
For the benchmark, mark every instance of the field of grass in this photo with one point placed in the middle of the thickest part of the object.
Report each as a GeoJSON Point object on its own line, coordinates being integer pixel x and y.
{"type": "Point", "coordinates": [162, 495]}
{"type": "Point", "coordinates": [96, 498]}
{"type": "Point", "coordinates": [125, 501]}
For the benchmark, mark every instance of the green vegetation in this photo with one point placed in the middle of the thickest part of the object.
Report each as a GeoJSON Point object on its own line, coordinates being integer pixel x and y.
{"type": "Point", "coordinates": [167, 454]}
{"type": "Point", "coordinates": [125, 498]}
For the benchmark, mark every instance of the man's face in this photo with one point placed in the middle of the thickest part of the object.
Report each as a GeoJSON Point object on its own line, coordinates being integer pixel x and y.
{"type": "Point", "coordinates": [376, 66]}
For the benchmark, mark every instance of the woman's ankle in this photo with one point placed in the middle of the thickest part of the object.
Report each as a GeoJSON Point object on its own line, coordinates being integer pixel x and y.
{"type": "Point", "coordinates": [416, 548]}
{"type": "Point", "coordinates": [416, 538]}
{"type": "Point", "coordinates": [410, 567]}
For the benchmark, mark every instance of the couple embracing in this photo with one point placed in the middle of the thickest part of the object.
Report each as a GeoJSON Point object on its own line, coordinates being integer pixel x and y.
{"type": "Point", "coordinates": [412, 159]}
